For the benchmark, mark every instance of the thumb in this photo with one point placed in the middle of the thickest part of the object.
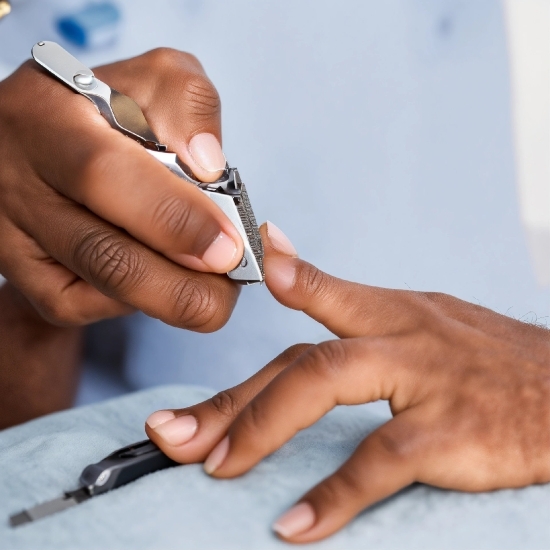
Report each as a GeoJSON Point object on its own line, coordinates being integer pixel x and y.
{"type": "Point", "coordinates": [180, 103]}
{"type": "Point", "coordinates": [297, 284]}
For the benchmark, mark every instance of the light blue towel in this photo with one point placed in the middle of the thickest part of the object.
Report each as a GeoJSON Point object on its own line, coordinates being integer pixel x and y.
{"type": "Point", "coordinates": [183, 508]}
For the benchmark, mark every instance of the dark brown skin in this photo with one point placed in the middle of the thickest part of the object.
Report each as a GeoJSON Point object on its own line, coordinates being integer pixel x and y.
{"type": "Point", "coordinates": [469, 390]}
{"type": "Point", "coordinates": [91, 226]}
{"type": "Point", "coordinates": [38, 361]}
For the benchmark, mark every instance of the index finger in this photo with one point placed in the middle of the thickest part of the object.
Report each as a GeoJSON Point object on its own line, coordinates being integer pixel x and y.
{"type": "Point", "coordinates": [333, 373]}
{"type": "Point", "coordinates": [188, 435]}
{"type": "Point", "coordinates": [128, 271]}
{"type": "Point", "coordinates": [347, 309]}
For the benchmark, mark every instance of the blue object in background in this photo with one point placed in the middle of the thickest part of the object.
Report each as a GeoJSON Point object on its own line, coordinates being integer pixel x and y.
{"type": "Point", "coordinates": [93, 26]}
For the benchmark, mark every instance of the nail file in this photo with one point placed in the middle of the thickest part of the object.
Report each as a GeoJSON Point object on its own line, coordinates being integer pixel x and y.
{"type": "Point", "coordinates": [118, 468]}
{"type": "Point", "coordinates": [125, 115]}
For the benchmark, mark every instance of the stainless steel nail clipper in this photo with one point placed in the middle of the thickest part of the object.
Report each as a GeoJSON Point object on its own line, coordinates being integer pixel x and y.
{"type": "Point", "coordinates": [124, 115]}
{"type": "Point", "coordinates": [121, 467]}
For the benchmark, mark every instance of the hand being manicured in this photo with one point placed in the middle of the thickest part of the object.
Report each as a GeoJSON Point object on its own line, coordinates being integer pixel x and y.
{"type": "Point", "coordinates": [469, 390]}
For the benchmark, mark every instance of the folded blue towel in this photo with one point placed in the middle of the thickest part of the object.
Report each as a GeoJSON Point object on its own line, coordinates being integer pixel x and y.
{"type": "Point", "coordinates": [183, 508]}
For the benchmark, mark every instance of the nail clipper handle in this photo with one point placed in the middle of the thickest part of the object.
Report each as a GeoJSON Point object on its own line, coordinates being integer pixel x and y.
{"type": "Point", "coordinates": [123, 466]}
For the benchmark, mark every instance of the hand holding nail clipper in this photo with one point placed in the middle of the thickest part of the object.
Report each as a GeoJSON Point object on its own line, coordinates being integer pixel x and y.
{"type": "Point", "coordinates": [94, 225]}
{"type": "Point", "coordinates": [124, 115]}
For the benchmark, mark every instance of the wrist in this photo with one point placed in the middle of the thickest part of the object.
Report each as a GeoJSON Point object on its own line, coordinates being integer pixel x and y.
{"type": "Point", "coordinates": [38, 361]}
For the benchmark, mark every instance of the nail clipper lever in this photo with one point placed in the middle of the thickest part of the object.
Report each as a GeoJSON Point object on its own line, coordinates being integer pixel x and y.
{"type": "Point", "coordinates": [125, 115]}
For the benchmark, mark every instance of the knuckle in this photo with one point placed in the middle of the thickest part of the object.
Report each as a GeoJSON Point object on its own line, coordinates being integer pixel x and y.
{"type": "Point", "coordinates": [436, 298]}
{"type": "Point", "coordinates": [200, 97]}
{"type": "Point", "coordinates": [253, 418]}
{"type": "Point", "coordinates": [294, 351]}
{"type": "Point", "coordinates": [189, 60]}
{"type": "Point", "coordinates": [397, 445]}
{"type": "Point", "coordinates": [327, 360]}
{"type": "Point", "coordinates": [168, 58]}
{"type": "Point", "coordinates": [225, 404]}
{"type": "Point", "coordinates": [348, 481]}
{"type": "Point", "coordinates": [108, 260]}
{"type": "Point", "coordinates": [344, 485]}
{"type": "Point", "coordinates": [313, 282]}
{"type": "Point", "coordinates": [197, 93]}
{"type": "Point", "coordinates": [196, 305]}
{"type": "Point", "coordinates": [57, 311]}
{"type": "Point", "coordinates": [172, 215]}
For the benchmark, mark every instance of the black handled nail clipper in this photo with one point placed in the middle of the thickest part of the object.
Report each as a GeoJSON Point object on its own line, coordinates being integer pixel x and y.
{"type": "Point", "coordinates": [119, 468]}
{"type": "Point", "coordinates": [125, 115]}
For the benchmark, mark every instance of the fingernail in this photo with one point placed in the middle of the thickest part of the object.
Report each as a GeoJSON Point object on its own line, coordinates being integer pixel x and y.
{"type": "Point", "coordinates": [174, 430]}
{"type": "Point", "coordinates": [220, 255]}
{"type": "Point", "coordinates": [217, 456]}
{"type": "Point", "coordinates": [279, 240]}
{"type": "Point", "coordinates": [207, 153]}
{"type": "Point", "coordinates": [159, 417]}
{"type": "Point", "coordinates": [280, 272]}
{"type": "Point", "coordinates": [297, 520]}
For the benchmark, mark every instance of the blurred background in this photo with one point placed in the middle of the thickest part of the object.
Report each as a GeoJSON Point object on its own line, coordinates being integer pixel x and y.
{"type": "Point", "coordinates": [403, 143]}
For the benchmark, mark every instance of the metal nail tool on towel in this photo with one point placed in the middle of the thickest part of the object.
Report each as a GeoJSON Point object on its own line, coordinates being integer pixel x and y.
{"type": "Point", "coordinates": [124, 115]}
{"type": "Point", "coordinates": [121, 467]}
